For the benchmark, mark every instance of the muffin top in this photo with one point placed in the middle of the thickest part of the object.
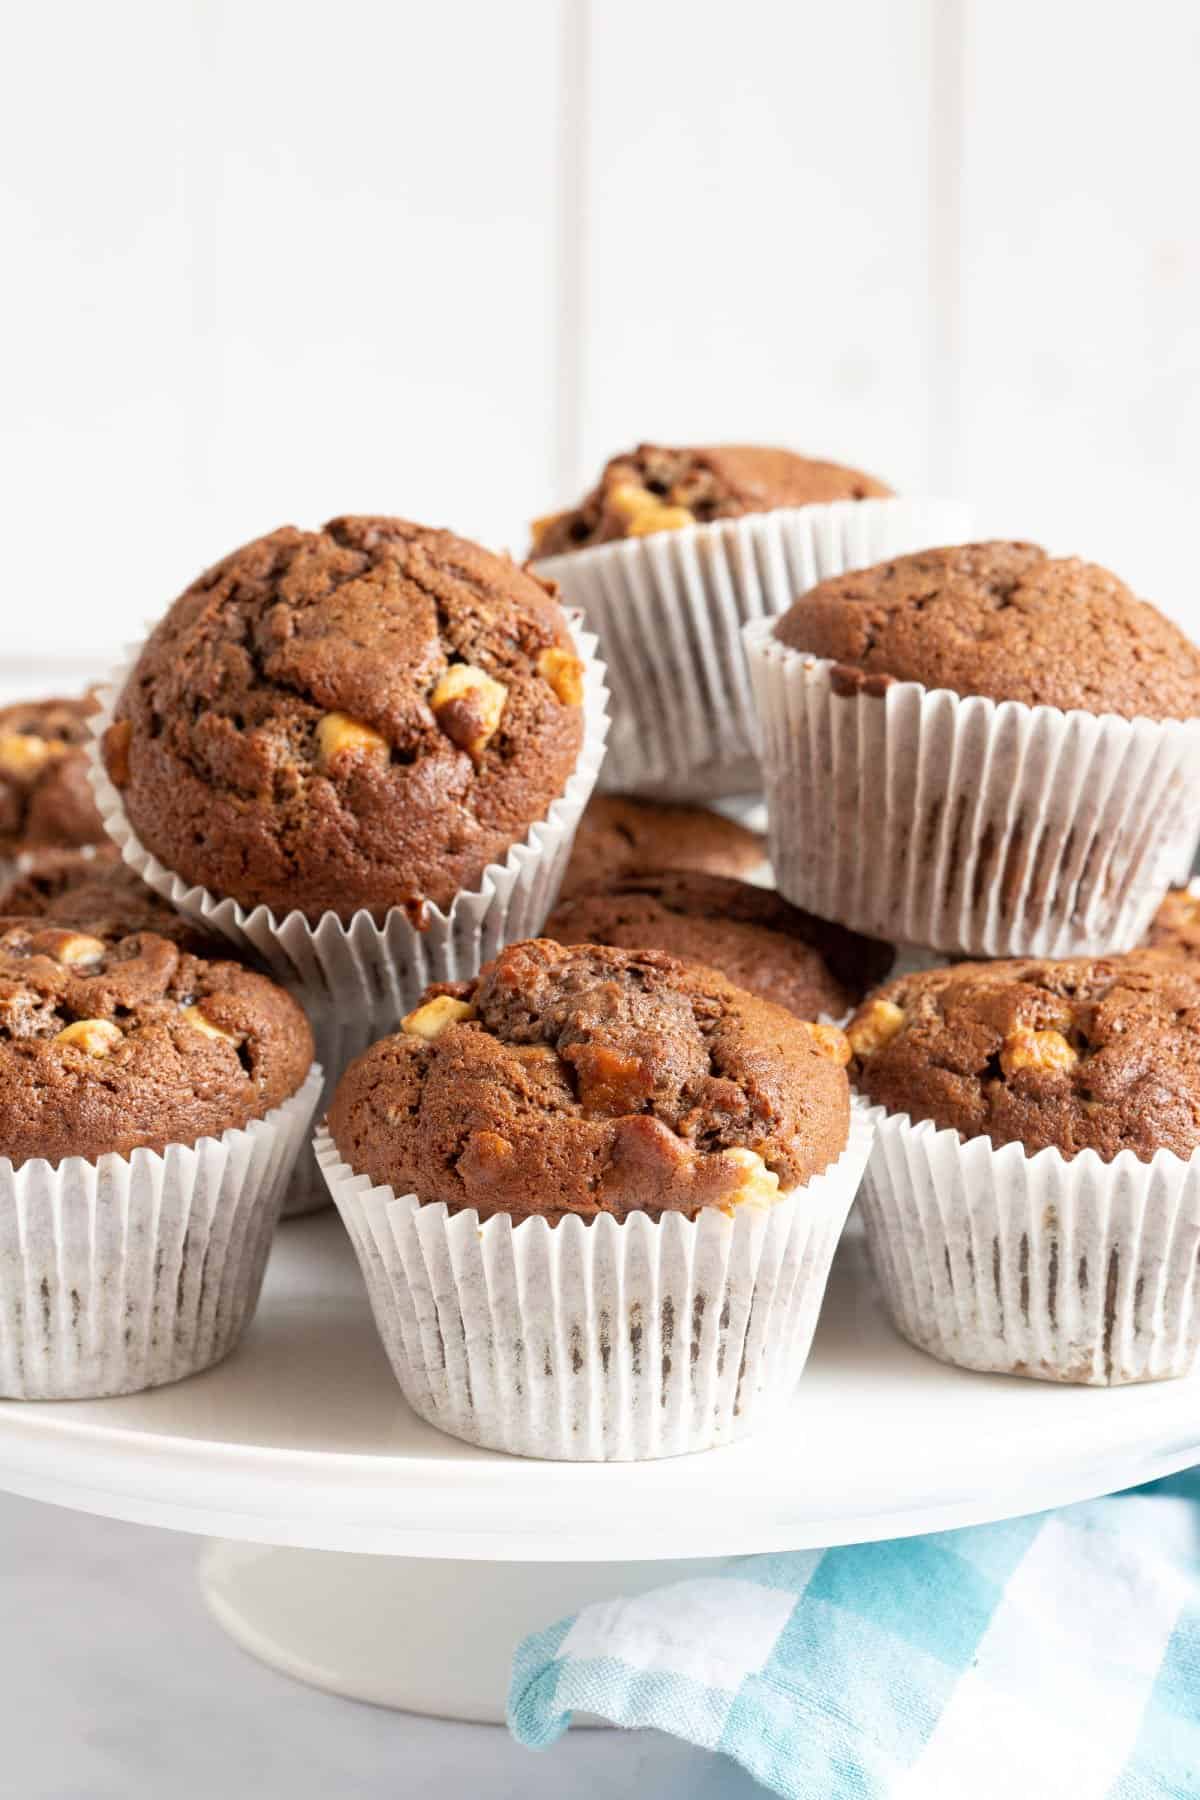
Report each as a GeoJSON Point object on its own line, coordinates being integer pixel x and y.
{"type": "Point", "coordinates": [1099, 1053]}
{"type": "Point", "coordinates": [750, 934]}
{"type": "Point", "coordinates": [360, 717]}
{"type": "Point", "coordinates": [1176, 924]}
{"type": "Point", "coordinates": [656, 489]}
{"type": "Point", "coordinates": [618, 833]}
{"type": "Point", "coordinates": [1003, 620]}
{"type": "Point", "coordinates": [115, 1044]}
{"type": "Point", "coordinates": [96, 889]}
{"type": "Point", "coordinates": [590, 1080]}
{"type": "Point", "coordinates": [45, 795]}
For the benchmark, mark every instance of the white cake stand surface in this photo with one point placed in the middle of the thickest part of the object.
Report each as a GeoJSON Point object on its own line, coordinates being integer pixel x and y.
{"type": "Point", "coordinates": [371, 1555]}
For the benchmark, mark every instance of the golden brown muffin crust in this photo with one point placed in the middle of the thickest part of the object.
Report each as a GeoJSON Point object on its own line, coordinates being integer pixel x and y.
{"type": "Point", "coordinates": [751, 934]}
{"type": "Point", "coordinates": [1176, 924]}
{"type": "Point", "coordinates": [97, 890]}
{"type": "Point", "coordinates": [1098, 1053]}
{"type": "Point", "coordinates": [654, 488]}
{"type": "Point", "coordinates": [591, 1080]}
{"type": "Point", "coordinates": [1003, 620]}
{"type": "Point", "coordinates": [115, 1045]}
{"type": "Point", "coordinates": [45, 795]}
{"type": "Point", "coordinates": [360, 717]}
{"type": "Point", "coordinates": [618, 834]}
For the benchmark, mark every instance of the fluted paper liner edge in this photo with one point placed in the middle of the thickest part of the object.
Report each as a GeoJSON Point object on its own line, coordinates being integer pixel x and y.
{"type": "Point", "coordinates": [602, 1341]}
{"type": "Point", "coordinates": [133, 1271]}
{"type": "Point", "coordinates": [966, 824]}
{"type": "Point", "coordinates": [669, 609]}
{"type": "Point", "coordinates": [1062, 1268]}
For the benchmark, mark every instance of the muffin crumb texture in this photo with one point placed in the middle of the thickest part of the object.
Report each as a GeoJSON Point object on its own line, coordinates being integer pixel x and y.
{"type": "Point", "coordinates": [1099, 1053]}
{"type": "Point", "coordinates": [751, 934]}
{"type": "Point", "coordinates": [1176, 924]}
{"type": "Point", "coordinates": [96, 889]}
{"type": "Point", "coordinates": [357, 718]}
{"type": "Point", "coordinates": [45, 796]}
{"type": "Point", "coordinates": [111, 1044]}
{"type": "Point", "coordinates": [1003, 620]}
{"type": "Point", "coordinates": [619, 834]}
{"type": "Point", "coordinates": [593, 1080]}
{"type": "Point", "coordinates": [654, 489]}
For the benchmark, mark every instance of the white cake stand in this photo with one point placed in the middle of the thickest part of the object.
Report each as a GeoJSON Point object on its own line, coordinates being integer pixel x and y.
{"type": "Point", "coordinates": [361, 1550]}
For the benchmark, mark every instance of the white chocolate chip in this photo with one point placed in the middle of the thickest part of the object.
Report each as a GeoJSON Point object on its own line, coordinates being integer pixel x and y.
{"type": "Point", "coordinates": [430, 1020]}
{"type": "Point", "coordinates": [644, 512]}
{"type": "Point", "coordinates": [759, 1185]}
{"type": "Point", "coordinates": [875, 1026]}
{"type": "Point", "coordinates": [564, 672]}
{"type": "Point", "coordinates": [23, 753]}
{"type": "Point", "coordinates": [339, 735]}
{"type": "Point", "coordinates": [486, 698]}
{"type": "Point", "coordinates": [76, 949]}
{"type": "Point", "coordinates": [199, 1019]}
{"type": "Point", "coordinates": [99, 1037]}
{"type": "Point", "coordinates": [1027, 1049]}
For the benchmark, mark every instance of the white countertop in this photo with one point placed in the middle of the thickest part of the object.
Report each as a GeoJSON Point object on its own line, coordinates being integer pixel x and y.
{"type": "Point", "coordinates": [118, 1686]}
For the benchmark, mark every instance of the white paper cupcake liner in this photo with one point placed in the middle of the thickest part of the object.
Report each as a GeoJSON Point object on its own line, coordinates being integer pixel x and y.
{"type": "Point", "coordinates": [669, 608]}
{"type": "Point", "coordinates": [1067, 1269]}
{"type": "Point", "coordinates": [966, 824]}
{"type": "Point", "coordinates": [128, 1272]}
{"type": "Point", "coordinates": [357, 980]}
{"type": "Point", "coordinates": [600, 1341]}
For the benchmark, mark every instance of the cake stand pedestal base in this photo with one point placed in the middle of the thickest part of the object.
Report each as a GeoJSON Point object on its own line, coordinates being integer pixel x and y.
{"type": "Point", "coordinates": [425, 1635]}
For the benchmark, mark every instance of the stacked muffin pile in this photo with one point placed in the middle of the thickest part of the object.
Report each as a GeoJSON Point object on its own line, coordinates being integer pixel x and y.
{"type": "Point", "coordinates": [595, 1177]}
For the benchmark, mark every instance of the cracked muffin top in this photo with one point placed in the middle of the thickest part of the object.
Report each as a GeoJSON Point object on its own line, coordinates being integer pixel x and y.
{"type": "Point", "coordinates": [355, 718]}
{"type": "Point", "coordinates": [590, 1080]}
{"type": "Point", "coordinates": [618, 834]}
{"type": "Point", "coordinates": [1003, 620]}
{"type": "Point", "coordinates": [128, 1042]}
{"type": "Point", "coordinates": [45, 795]}
{"type": "Point", "coordinates": [1176, 924]}
{"type": "Point", "coordinates": [94, 888]}
{"type": "Point", "coordinates": [657, 489]}
{"type": "Point", "coordinates": [751, 934]}
{"type": "Point", "coordinates": [1099, 1053]}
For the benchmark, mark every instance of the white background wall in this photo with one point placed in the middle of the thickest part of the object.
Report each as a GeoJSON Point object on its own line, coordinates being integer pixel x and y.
{"type": "Point", "coordinates": [272, 259]}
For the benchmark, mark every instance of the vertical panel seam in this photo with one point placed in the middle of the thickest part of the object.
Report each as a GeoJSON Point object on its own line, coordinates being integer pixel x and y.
{"type": "Point", "coordinates": [570, 303]}
{"type": "Point", "coordinates": [947, 138]}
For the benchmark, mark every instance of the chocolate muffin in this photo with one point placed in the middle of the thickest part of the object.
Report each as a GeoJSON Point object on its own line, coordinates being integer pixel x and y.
{"type": "Point", "coordinates": [94, 888]}
{"type": "Point", "coordinates": [1003, 620]}
{"type": "Point", "coordinates": [1099, 1053]}
{"type": "Point", "coordinates": [657, 489]}
{"type": "Point", "coordinates": [45, 795]}
{"type": "Point", "coordinates": [590, 1080]}
{"type": "Point", "coordinates": [618, 834]}
{"type": "Point", "coordinates": [1176, 924]}
{"type": "Point", "coordinates": [360, 717]}
{"type": "Point", "coordinates": [115, 1045]}
{"type": "Point", "coordinates": [750, 934]}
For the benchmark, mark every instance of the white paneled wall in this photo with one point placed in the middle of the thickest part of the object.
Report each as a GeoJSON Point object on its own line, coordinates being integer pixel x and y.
{"type": "Point", "coordinates": [269, 261]}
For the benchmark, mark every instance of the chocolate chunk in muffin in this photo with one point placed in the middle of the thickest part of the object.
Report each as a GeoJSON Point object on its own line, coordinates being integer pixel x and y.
{"type": "Point", "coordinates": [1003, 620]}
{"type": "Point", "coordinates": [657, 489]}
{"type": "Point", "coordinates": [96, 889]}
{"type": "Point", "coordinates": [589, 1080]}
{"type": "Point", "coordinates": [1099, 1053]}
{"type": "Point", "coordinates": [360, 717]}
{"type": "Point", "coordinates": [618, 833]}
{"type": "Point", "coordinates": [45, 795]}
{"type": "Point", "coordinates": [128, 1043]}
{"type": "Point", "coordinates": [750, 934]}
{"type": "Point", "coordinates": [1176, 924]}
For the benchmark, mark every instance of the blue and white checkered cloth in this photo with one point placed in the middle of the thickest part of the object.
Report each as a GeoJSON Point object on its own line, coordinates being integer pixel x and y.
{"type": "Point", "coordinates": [1049, 1658]}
